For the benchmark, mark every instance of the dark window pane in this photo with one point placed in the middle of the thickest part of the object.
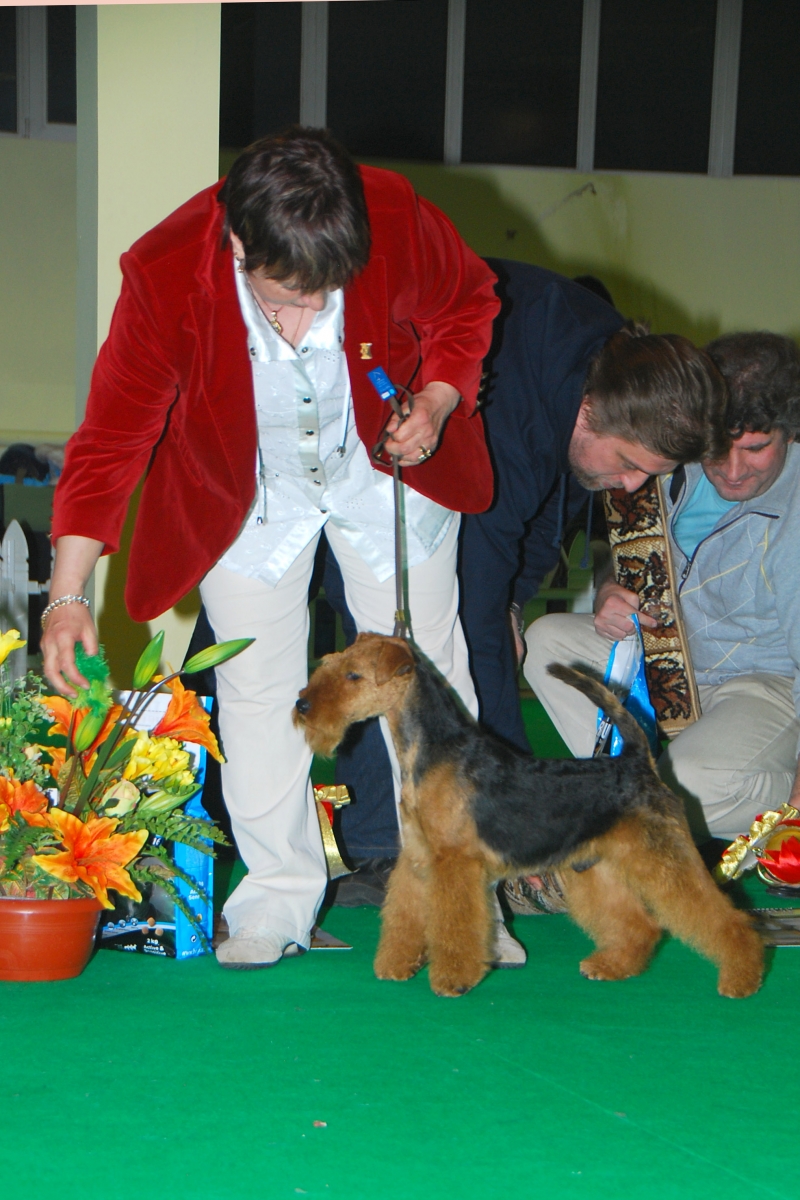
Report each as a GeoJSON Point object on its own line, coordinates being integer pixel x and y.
{"type": "Point", "coordinates": [386, 73]}
{"type": "Point", "coordinates": [8, 70]}
{"type": "Point", "coordinates": [521, 81]}
{"type": "Point", "coordinates": [259, 71]}
{"type": "Point", "coordinates": [768, 114]}
{"type": "Point", "coordinates": [61, 84]}
{"type": "Point", "coordinates": [654, 85]}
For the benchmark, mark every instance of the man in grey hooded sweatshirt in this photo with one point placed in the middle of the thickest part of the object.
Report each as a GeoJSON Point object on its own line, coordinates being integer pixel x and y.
{"type": "Point", "coordinates": [734, 525]}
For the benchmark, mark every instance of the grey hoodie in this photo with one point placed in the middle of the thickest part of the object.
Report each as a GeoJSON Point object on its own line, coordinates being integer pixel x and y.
{"type": "Point", "coordinates": [740, 591]}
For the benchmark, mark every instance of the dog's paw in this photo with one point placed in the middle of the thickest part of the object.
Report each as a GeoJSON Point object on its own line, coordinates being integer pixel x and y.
{"type": "Point", "coordinates": [606, 966]}
{"type": "Point", "coordinates": [741, 968]}
{"type": "Point", "coordinates": [395, 975]}
{"type": "Point", "coordinates": [737, 983]}
{"type": "Point", "coordinates": [455, 980]}
{"type": "Point", "coordinates": [395, 969]}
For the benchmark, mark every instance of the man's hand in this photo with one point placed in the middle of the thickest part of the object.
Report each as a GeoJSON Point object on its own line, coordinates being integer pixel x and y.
{"type": "Point", "coordinates": [614, 607]}
{"type": "Point", "coordinates": [422, 430]}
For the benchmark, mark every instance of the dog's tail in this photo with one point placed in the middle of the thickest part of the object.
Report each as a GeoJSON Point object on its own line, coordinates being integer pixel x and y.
{"type": "Point", "coordinates": [634, 739]}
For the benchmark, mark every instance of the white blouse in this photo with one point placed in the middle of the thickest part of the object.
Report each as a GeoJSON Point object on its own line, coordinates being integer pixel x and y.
{"type": "Point", "coordinates": [312, 466]}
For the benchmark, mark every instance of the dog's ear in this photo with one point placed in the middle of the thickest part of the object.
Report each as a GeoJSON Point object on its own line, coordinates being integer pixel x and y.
{"type": "Point", "coordinates": [394, 658]}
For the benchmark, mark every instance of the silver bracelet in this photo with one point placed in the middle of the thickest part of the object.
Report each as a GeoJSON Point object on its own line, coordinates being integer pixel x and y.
{"type": "Point", "coordinates": [61, 601]}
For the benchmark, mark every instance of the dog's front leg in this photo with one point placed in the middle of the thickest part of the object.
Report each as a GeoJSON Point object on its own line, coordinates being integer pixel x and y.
{"type": "Point", "coordinates": [459, 923]}
{"type": "Point", "coordinates": [401, 950]}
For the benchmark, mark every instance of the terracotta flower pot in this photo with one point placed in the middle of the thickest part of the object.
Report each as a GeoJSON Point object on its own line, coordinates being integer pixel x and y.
{"type": "Point", "coordinates": [46, 939]}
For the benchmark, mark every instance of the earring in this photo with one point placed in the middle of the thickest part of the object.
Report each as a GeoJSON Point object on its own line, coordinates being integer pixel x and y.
{"type": "Point", "coordinates": [240, 265]}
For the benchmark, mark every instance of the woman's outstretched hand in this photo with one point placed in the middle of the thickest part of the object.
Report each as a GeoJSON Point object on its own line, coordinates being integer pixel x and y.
{"type": "Point", "coordinates": [69, 623]}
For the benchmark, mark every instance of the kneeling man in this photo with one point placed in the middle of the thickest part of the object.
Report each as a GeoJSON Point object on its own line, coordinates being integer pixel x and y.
{"type": "Point", "coordinates": [734, 526]}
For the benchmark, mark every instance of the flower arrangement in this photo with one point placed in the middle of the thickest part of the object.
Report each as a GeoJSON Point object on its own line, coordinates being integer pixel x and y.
{"type": "Point", "coordinates": [88, 800]}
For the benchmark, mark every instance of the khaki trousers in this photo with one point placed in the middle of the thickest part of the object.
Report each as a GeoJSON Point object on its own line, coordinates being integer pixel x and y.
{"type": "Point", "coordinates": [266, 778]}
{"type": "Point", "coordinates": [736, 761]}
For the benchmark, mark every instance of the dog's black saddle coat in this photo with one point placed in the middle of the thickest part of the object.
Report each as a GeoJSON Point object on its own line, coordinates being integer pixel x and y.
{"type": "Point", "coordinates": [528, 810]}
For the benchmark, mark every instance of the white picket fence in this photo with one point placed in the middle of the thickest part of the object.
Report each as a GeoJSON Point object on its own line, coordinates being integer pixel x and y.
{"type": "Point", "coordinates": [15, 588]}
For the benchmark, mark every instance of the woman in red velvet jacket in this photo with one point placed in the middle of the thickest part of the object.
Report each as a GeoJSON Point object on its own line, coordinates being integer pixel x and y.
{"type": "Point", "coordinates": [172, 398]}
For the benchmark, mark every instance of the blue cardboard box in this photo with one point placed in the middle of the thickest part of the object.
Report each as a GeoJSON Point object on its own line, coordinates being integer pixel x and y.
{"type": "Point", "coordinates": [154, 925]}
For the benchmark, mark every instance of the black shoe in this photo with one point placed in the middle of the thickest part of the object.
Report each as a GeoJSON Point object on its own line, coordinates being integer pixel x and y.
{"type": "Point", "coordinates": [367, 884]}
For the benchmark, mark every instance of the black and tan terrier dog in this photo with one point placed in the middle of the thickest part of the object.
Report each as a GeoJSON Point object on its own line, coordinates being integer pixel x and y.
{"type": "Point", "coordinates": [475, 810]}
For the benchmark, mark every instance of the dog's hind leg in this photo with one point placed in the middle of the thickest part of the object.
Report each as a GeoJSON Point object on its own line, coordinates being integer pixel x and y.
{"type": "Point", "coordinates": [662, 865]}
{"type": "Point", "coordinates": [459, 923]}
{"type": "Point", "coordinates": [623, 931]}
{"type": "Point", "coordinates": [401, 949]}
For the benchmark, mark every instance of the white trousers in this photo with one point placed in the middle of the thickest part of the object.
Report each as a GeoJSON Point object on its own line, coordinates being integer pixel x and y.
{"type": "Point", "coordinates": [266, 776]}
{"type": "Point", "coordinates": [736, 761]}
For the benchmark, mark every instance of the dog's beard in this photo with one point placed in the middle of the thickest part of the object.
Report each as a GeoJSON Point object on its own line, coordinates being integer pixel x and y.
{"type": "Point", "coordinates": [320, 740]}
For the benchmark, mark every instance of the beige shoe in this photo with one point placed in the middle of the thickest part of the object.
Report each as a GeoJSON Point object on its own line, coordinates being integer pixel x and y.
{"type": "Point", "coordinates": [507, 952]}
{"type": "Point", "coordinates": [250, 951]}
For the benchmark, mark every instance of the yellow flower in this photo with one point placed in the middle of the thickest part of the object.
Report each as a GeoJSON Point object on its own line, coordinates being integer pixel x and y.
{"type": "Point", "coordinates": [10, 641]}
{"type": "Point", "coordinates": [156, 758]}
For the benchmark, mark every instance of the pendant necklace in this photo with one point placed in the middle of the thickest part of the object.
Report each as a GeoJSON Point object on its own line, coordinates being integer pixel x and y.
{"type": "Point", "coordinates": [274, 322]}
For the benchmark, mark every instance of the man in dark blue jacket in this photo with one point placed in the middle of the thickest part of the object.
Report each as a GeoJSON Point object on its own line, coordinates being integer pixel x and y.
{"type": "Point", "coordinates": [547, 332]}
{"type": "Point", "coordinates": [576, 400]}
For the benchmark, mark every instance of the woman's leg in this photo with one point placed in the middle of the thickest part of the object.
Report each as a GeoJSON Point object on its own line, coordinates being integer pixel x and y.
{"type": "Point", "coordinates": [436, 630]}
{"type": "Point", "coordinates": [433, 612]}
{"type": "Point", "coordinates": [432, 601]}
{"type": "Point", "coordinates": [369, 824]}
{"type": "Point", "coordinates": [265, 780]}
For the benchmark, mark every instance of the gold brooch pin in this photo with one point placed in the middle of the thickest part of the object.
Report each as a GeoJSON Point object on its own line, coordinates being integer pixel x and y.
{"type": "Point", "coordinates": [366, 349]}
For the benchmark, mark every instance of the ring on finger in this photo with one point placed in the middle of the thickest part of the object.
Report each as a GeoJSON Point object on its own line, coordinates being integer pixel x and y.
{"type": "Point", "coordinates": [424, 453]}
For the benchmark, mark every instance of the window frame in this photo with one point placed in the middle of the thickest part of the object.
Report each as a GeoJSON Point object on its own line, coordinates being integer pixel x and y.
{"type": "Point", "coordinates": [32, 120]}
{"type": "Point", "coordinates": [724, 88]}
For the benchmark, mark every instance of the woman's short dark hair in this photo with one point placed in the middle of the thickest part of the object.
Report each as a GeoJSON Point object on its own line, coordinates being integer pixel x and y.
{"type": "Point", "coordinates": [762, 371]}
{"type": "Point", "coordinates": [296, 202]}
{"type": "Point", "coordinates": [660, 391]}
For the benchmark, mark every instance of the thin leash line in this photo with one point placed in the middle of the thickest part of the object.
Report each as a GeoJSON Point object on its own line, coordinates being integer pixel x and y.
{"type": "Point", "coordinates": [400, 621]}
{"type": "Point", "coordinates": [401, 628]}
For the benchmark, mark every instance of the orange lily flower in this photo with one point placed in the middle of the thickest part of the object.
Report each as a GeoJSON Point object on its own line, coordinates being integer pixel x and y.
{"type": "Point", "coordinates": [93, 853]}
{"type": "Point", "coordinates": [187, 720]}
{"type": "Point", "coordinates": [59, 757]}
{"type": "Point", "coordinates": [63, 712]}
{"type": "Point", "coordinates": [16, 797]}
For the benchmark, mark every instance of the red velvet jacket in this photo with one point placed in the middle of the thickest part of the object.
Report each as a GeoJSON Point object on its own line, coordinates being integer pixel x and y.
{"type": "Point", "coordinates": [172, 390]}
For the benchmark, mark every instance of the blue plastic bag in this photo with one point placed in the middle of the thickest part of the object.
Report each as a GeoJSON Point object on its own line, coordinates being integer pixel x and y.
{"type": "Point", "coordinates": [625, 669]}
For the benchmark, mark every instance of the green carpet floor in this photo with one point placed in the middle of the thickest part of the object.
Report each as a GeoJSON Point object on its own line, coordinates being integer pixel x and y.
{"type": "Point", "coordinates": [148, 1077]}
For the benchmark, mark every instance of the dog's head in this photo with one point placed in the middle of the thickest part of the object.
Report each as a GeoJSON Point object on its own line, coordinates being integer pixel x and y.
{"type": "Point", "coordinates": [368, 679]}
